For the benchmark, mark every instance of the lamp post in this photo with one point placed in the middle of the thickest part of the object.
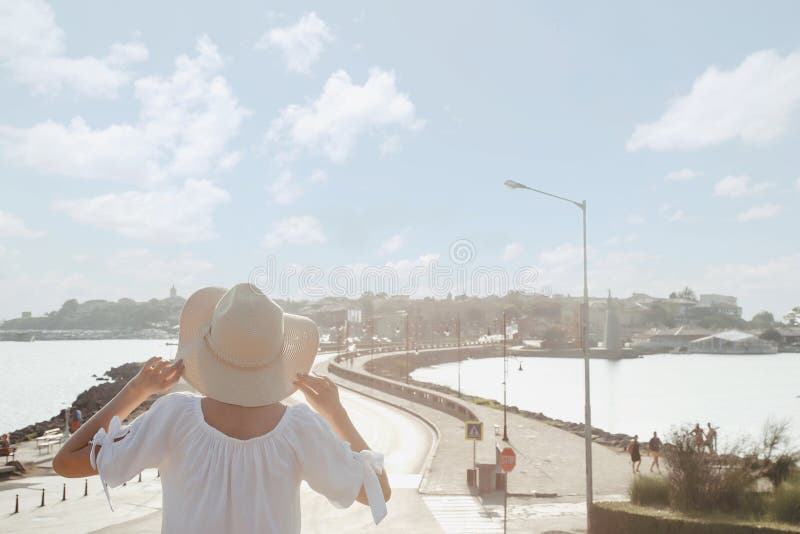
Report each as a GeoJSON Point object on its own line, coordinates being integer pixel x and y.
{"type": "Point", "coordinates": [505, 381]}
{"type": "Point", "coordinates": [407, 347]}
{"type": "Point", "coordinates": [458, 329]}
{"type": "Point", "coordinates": [511, 184]}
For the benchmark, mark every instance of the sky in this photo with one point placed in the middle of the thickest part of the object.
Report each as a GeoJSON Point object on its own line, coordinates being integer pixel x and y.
{"type": "Point", "coordinates": [307, 147]}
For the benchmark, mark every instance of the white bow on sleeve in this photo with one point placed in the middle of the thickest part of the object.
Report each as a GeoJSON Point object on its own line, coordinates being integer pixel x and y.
{"type": "Point", "coordinates": [105, 440]}
{"type": "Point", "coordinates": [373, 466]}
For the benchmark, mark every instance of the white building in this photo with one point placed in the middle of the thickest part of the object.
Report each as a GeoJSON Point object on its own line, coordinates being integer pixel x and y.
{"type": "Point", "coordinates": [723, 304]}
{"type": "Point", "coordinates": [732, 342]}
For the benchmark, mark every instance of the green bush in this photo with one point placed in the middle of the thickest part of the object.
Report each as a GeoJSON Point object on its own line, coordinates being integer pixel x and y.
{"type": "Point", "coordinates": [701, 482]}
{"type": "Point", "coordinates": [785, 505]}
{"type": "Point", "coordinates": [625, 518]}
{"type": "Point", "coordinates": [649, 491]}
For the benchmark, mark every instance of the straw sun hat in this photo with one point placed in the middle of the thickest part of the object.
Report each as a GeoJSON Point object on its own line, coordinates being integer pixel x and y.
{"type": "Point", "coordinates": [239, 347]}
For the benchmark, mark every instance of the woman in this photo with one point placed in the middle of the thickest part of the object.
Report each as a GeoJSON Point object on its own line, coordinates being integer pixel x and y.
{"type": "Point", "coordinates": [636, 456]}
{"type": "Point", "coordinates": [232, 459]}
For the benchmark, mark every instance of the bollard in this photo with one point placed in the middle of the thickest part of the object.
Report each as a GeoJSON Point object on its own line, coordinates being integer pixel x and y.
{"type": "Point", "coordinates": [140, 476]}
{"type": "Point", "coordinates": [16, 505]}
{"type": "Point", "coordinates": [158, 473]}
{"type": "Point", "coordinates": [64, 493]}
{"type": "Point", "coordinates": [42, 497]}
{"type": "Point", "coordinates": [85, 487]}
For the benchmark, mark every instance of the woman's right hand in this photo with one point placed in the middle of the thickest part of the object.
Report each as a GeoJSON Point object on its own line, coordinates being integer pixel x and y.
{"type": "Point", "coordinates": [157, 375]}
{"type": "Point", "coordinates": [321, 393]}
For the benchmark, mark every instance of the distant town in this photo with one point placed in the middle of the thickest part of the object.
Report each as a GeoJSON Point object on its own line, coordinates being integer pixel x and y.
{"type": "Point", "coordinates": [679, 322]}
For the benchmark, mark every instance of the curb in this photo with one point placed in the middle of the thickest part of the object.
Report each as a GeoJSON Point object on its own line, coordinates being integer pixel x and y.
{"type": "Point", "coordinates": [434, 447]}
{"type": "Point", "coordinates": [436, 432]}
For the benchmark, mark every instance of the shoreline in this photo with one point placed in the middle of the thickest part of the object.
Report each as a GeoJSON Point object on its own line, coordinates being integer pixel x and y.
{"type": "Point", "coordinates": [88, 401]}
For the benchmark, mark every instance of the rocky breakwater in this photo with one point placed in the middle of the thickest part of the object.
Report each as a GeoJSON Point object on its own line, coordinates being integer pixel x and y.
{"type": "Point", "coordinates": [395, 368]}
{"type": "Point", "coordinates": [88, 402]}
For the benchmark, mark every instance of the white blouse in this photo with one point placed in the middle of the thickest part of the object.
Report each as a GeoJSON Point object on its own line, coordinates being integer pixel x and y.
{"type": "Point", "coordinates": [216, 483]}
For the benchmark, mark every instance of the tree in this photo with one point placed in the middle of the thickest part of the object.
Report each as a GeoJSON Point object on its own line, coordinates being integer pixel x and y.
{"type": "Point", "coordinates": [554, 338]}
{"type": "Point", "coordinates": [763, 319]}
{"type": "Point", "coordinates": [686, 293]}
{"type": "Point", "coordinates": [793, 317]}
{"type": "Point", "coordinates": [772, 335]}
{"type": "Point", "coordinates": [69, 307]}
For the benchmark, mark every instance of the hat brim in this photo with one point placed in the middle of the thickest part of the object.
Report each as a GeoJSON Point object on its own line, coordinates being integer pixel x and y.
{"type": "Point", "coordinates": [233, 385]}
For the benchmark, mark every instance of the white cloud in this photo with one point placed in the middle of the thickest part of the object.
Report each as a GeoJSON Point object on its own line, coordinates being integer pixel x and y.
{"type": "Point", "coordinates": [185, 123]}
{"type": "Point", "coordinates": [678, 216]}
{"type": "Point", "coordinates": [287, 188]}
{"type": "Point", "coordinates": [142, 265]}
{"type": "Point", "coordinates": [753, 102]}
{"type": "Point", "coordinates": [301, 44]}
{"type": "Point", "coordinates": [765, 282]}
{"type": "Point", "coordinates": [32, 49]}
{"type": "Point", "coordinates": [673, 214]}
{"type": "Point", "coordinates": [183, 215]}
{"type": "Point", "coordinates": [683, 175]}
{"type": "Point", "coordinates": [390, 145]}
{"type": "Point", "coordinates": [333, 123]}
{"type": "Point", "coordinates": [635, 219]}
{"type": "Point", "coordinates": [318, 177]}
{"type": "Point", "coordinates": [13, 226]}
{"type": "Point", "coordinates": [563, 255]}
{"type": "Point", "coordinates": [621, 240]}
{"type": "Point", "coordinates": [759, 213]}
{"type": "Point", "coordinates": [561, 270]}
{"type": "Point", "coordinates": [391, 245]}
{"type": "Point", "coordinates": [298, 230]}
{"type": "Point", "coordinates": [739, 186]}
{"type": "Point", "coordinates": [513, 251]}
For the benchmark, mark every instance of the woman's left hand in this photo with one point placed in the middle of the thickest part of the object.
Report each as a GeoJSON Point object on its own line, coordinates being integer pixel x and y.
{"type": "Point", "coordinates": [157, 375]}
{"type": "Point", "coordinates": [321, 393]}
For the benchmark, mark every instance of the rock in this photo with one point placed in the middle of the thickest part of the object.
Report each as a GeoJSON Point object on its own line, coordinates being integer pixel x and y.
{"type": "Point", "coordinates": [88, 402]}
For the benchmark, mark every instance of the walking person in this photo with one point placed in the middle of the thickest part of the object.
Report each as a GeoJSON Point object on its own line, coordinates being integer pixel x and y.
{"type": "Point", "coordinates": [699, 437]}
{"type": "Point", "coordinates": [636, 456]}
{"type": "Point", "coordinates": [75, 420]}
{"type": "Point", "coordinates": [232, 459]}
{"type": "Point", "coordinates": [711, 439]}
{"type": "Point", "coordinates": [654, 445]}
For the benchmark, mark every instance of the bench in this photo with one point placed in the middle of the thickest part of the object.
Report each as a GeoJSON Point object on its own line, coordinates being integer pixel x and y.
{"type": "Point", "coordinates": [48, 439]}
{"type": "Point", "coordinates": [8, 453]}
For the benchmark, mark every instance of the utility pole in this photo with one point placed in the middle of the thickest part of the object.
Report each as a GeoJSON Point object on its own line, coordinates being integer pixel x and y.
{"type": "Point", "coordinates": [458, 330]}
{"type": "Point", "coordinates": [407, 347]}
{"type": "Point", "coordinates": [505, 382]}
{"type": "Point", "coordinates": [371, 338]}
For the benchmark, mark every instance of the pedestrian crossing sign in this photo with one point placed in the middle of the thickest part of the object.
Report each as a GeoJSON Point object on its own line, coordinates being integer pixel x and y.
{"type": "Point", "coordinates": [473, 430]}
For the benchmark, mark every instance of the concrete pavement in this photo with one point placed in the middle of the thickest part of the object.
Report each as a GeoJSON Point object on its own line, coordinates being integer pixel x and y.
{"type": "Point", "coordinates": [550, 461]}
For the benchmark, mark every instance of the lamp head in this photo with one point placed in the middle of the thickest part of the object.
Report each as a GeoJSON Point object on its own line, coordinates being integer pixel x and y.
{"type": "Point", "coordinates": [511, 184]}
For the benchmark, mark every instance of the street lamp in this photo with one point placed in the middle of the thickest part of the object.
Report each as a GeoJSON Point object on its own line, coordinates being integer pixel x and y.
{"type": "Point", "coordinates": [511, 184]}
{"type": "Point", "coordinates": [505, 381]}
{"type": "Point", "coordinates": [458, 328]}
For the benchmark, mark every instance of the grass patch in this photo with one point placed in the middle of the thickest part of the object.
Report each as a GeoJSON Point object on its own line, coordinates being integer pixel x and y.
{"type": "Point", "coordinates": [649, 491]}
{"type": "Point", "coordinates": [628, 518]}
{"type": "Point", "coordinates": [785, 505]}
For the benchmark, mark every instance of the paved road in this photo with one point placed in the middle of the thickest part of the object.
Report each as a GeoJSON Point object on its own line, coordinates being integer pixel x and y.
{"type": "Point", "coordinates": [404, 439]}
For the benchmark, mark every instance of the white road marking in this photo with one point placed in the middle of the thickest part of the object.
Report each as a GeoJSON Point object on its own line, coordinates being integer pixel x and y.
{"type": "Point", "coordinates": [463, 514]}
